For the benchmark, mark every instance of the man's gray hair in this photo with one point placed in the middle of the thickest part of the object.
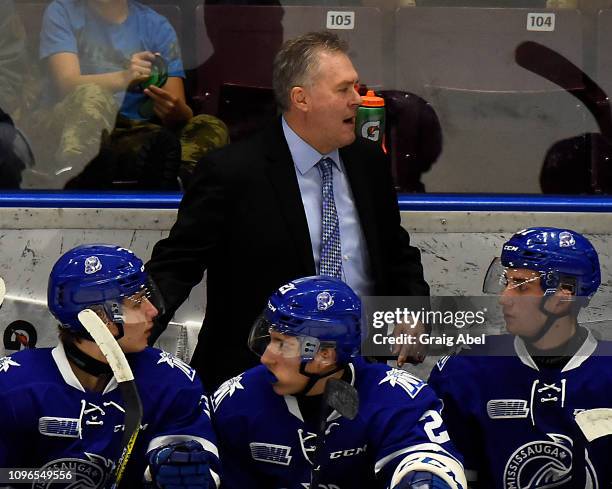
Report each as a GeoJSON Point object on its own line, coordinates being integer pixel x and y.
{"type": "Point", "coordinates": [295, 63]}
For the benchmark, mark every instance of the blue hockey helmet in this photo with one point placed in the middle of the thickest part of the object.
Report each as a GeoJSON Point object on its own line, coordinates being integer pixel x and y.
{"type": "Point", "coordinates": [98, 275]}
{"type": "Point", "coordinates": [319, 312]}
{"type": "Point", "coordinates": [560, 256]}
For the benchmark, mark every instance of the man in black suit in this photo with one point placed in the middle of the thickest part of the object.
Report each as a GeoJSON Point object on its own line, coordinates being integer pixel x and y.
{"type": "Point", "coordinates": [264, 211]}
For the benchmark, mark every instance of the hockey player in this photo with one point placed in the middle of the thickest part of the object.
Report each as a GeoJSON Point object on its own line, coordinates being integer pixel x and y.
{"type": "Point", "coordinates": [510, 404]}
{"type": "Point", "coordinates": [267, 418]}
{"type": "Point", "coordinates": [60, 408]}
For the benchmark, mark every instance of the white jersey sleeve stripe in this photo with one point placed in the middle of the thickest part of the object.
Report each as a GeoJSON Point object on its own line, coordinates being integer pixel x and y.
{"type": "Point", "coordinates": [445, 467]}
{"type": "Point", "coordinates": [423, 447]}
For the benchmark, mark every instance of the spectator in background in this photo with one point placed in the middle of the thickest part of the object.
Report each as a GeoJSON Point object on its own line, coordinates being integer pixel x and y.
{"type": "Point", "coordinates": [96, 51]}
{"type": "Point", "coordinates": [14, 149]}
{"type": "Point", "coordinates": [13, 59]}
{"type": "Point", "coordinates": [15, 153]}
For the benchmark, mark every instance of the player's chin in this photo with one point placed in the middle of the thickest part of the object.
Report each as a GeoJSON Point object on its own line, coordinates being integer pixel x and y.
{"type": "Point", "coordinates": [280, 389]}
{"type": "Point", "coordinates": [285, 389]}
{"type": "Point", "coordinates": [513, 327]}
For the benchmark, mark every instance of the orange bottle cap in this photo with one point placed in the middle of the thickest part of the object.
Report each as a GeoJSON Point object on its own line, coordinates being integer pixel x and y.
{"type": "Point", "coordinates": [370, 99]}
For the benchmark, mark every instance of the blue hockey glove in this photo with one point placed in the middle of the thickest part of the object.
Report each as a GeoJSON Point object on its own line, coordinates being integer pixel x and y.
{"type": "Point", "coordinates": [421, 480]}
{"type": "Point", "coordinates": [181, 465]}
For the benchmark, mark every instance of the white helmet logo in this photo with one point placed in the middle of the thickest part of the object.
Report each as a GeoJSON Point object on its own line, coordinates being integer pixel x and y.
{"type": "Point", "coordinates": [566, 239]}
{"type": "Point", "coordinates": [92, 265]}
{"type": "Point", "coordinates": [324, 301]}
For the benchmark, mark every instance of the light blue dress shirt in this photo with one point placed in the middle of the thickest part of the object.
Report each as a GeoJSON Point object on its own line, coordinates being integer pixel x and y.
{"type": "Point", "coordinates": [355, 260]}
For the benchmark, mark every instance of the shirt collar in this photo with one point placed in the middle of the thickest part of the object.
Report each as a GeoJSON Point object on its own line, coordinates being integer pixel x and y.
{"type": "Point", "coordinates": [303, 154]}
{"type": "Point", "coordinates": [584, 352]}
{"type": "Point", "coordinates": [61, 360]}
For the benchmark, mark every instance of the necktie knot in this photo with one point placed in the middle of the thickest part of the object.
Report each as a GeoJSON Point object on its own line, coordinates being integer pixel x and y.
{"type": "Point", "coordinates": [325, 166]}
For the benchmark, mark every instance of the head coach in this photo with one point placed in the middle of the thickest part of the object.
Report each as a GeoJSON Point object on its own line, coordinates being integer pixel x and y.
{"type": "Point", "coordinates": [302, 197]}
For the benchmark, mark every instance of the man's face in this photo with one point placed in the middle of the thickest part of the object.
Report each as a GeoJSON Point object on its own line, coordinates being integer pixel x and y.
{"type": "Point", "coordinates": [332, 102]}
{"type": "Point", "coordinates": [282, 358]}
{"type": "Point", "coordinates": [138, 315]}
{"type": "Point", "coordinates": [521, 300]}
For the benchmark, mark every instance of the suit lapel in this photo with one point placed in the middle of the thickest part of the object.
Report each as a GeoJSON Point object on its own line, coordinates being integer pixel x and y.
{"type": "Point", "coordinates": [357, 176]}
{"type": "Point", "coordinates": [281, 174]}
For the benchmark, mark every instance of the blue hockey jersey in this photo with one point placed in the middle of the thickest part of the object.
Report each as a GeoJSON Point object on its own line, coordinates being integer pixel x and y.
{"type": "Point", "coordinates": [514, 422]}
{"type": "Point", "coordinates": [265, 443]}
{"type": "Point", "coordinates": [49, 421]}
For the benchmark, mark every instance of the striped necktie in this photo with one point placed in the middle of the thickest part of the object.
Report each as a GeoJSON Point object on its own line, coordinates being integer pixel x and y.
{"type": "Point", "coordinates": [331, 252]}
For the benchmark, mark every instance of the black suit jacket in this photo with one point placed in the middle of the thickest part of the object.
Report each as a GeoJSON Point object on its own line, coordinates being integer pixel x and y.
{"type": "Point", "coordinates": [242, 220]}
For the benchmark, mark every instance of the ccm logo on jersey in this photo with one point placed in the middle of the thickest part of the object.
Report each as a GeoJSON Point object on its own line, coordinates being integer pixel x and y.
{"type": "Point", "coordinates": [510, 248]}
{"type": "Point", "coordinates": [351, 452]}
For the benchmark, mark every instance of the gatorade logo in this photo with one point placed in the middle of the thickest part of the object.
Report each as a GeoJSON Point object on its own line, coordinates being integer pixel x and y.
{"type": "Point", "coordinates": [371, 130]}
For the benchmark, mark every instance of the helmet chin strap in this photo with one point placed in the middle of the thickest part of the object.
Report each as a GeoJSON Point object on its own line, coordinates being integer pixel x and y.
{"type": "Point", "coordinates": [314, 378]}
{"type": "Point", "coordinates": [550, 320]}
{"type": "Point", "coordinates": [85, 362]}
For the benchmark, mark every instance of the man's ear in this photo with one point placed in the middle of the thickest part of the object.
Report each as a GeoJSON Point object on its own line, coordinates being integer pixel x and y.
{"type": "Point", "coordinates": [299, 99]}
{"type": "Point", "coordinates": [562, 301]}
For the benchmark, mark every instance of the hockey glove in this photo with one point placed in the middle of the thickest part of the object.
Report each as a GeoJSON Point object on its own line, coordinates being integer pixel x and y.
{"type": "Point", "coordinates": [421, 480]}
{"type": "Point", "coordinates": [179, 465]}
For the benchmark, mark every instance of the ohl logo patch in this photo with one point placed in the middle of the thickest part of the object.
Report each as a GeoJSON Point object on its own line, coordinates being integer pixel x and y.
{"type": "Point", "coordinates": [540, 464]}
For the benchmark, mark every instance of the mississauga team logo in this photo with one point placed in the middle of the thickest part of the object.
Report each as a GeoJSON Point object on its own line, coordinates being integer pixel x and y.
{"type": "Point", "coordinates": [85, 474]}
{"type": "Point", "coordinates": [324, 301]}
{"type": "Point", "coordinates": [540, 464]}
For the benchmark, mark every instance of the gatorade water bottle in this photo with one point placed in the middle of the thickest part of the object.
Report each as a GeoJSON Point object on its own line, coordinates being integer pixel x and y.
{"type": "Point", "coordinates": [370, 123]}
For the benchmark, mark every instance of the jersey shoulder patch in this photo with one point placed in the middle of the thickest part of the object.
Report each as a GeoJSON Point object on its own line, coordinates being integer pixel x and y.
{"type": "Point", "coordinates": [401, 379]}
{"type": "Point", "coordinates": [442, 362]}
{"type": "Point", "coordinates": [227, 390]}
{"type": "Point", "coordinates": [252, 386]}
{"type": "Point", "coordinates": [6, 363]}
{"type": "Point", "coordinates": [175, 363]}
{"type": "Point", "coordinates": [165, 364]}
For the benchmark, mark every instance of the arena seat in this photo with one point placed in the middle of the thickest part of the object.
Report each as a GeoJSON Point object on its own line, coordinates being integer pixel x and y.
{"type": "Point", "coordinates": [237, 44]}
{"type": "Point", "coordinates": [604, 56]}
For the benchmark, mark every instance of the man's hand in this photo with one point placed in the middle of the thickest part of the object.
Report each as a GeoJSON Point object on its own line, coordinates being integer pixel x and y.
{"type": "Point", "coordinates": [421, 480]}
{"type": "Point", "coordinates": [139, 68]}
{"type": "Point", "coordinates": [414, 354]}
{"type": "Point", "coordinates": [167, 106]}
{"type": "Point", "coordinates": [181, 465]}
